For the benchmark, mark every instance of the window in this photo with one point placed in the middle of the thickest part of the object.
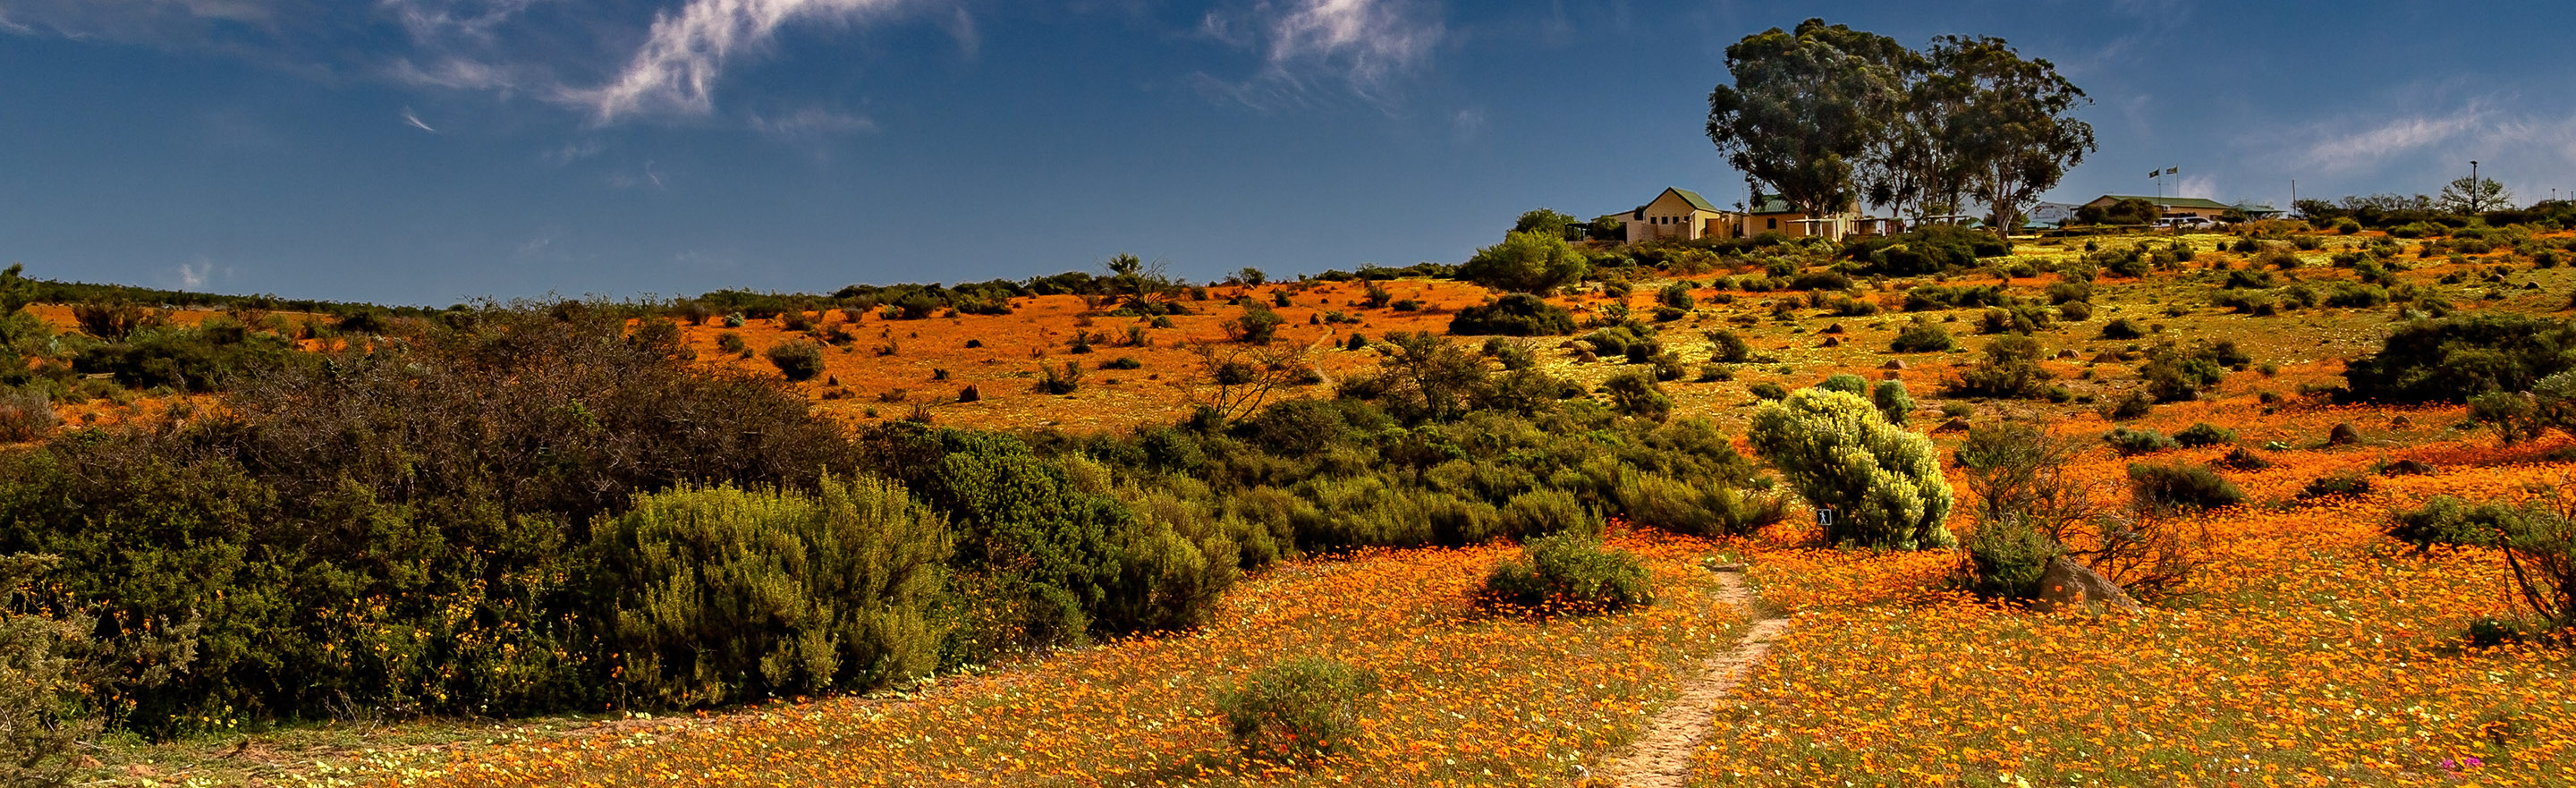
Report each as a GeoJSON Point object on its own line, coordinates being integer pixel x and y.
{"type": "Point", "coordinates": [1771, 224]}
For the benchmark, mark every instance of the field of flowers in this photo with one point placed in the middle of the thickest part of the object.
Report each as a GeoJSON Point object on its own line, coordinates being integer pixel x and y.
{"type": "Point", "coordinates": [1466, 698]}
{"type": "Point", "coordinates": [2314, 651]}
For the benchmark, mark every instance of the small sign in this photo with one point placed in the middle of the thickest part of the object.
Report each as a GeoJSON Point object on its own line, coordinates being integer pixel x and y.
{"type": "Point", "coordinates": [1825, 517]}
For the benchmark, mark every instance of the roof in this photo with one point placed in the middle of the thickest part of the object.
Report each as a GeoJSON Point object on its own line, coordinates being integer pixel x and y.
{"type": "Point", "coordinates": [1771, 203]}
{"type": "Point", "coordinates": [2254, 208]}
{"type": "Point", "coordinates": [2170, 202]}
{"type": "Point", "coordinates": [1689, 196]}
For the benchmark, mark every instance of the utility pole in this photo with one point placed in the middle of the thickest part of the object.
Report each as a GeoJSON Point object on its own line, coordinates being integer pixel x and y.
{"type": "Point", "coordinates": [2473, 186]}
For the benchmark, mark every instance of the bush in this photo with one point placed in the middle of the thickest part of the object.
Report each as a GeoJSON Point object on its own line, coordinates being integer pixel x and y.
{"type": "Point", "coordinates": [2123, 329]}
{"type": "Point", "coordinates": [2446, 520]}
{"type": "Point", "coordinates": [1297, 710]}
{"type": "Point", "coordinates": [2007, 557]}
{"type": "Point", "coordinates": [2541, 551]}
{"type": "Point", "coordinates": [798, 359]}
{"type": "Point", "coordinates": [1677, 296]}
{"type": "Point", "coordinates": [2131, 442]}
{"type": "Point", "coordinates": [730, 342]}
{"type": "Point", "coordinates": [1570, 572]}
{"type": "Point", "coordinates": [2009, 368]}
{"type": "Point", "coordinates": [2161, 487]}
{"type": "Point", "coordinates": [1516, 314]}
{"type": "Point", "coordinates": [1637, 394]}
{"type": "Point", "coordinates": [1059, 381]}
{"type": "Point", "coordinates": [1892, 401]}
{"type": "Point", "coordinates": [1767, 390]}
{"type": "Point", "coordinates": [723, 595]}
{"type": "Point", "coordinates": [1725, 347]}
{"type": "Point", "coordinates": [46, 711]}
{"type": "Point", "coordinates": [1256, 326]}
{"type": "Point", "coordinates": [1526, 262]}
{"type": "Point", "coordinates": [1545, 511]}
{"type": "Point", "coordinates": [1921, 336]}
{"type": "Point", "coordinates": [26, 415]}
{"type": "Point", "coordinates": [1847, 383]}
{"type": "Point", "coordinates": [2453, 359]}
{"type": "Point", "coordinates": [2336, 486]}
{"type": "Point", "coordinates": [2203, 434]}
{"type": "Point", "coordinates": [1882, 482]}
{"type": "Point", "coordinates": [1699, 509]}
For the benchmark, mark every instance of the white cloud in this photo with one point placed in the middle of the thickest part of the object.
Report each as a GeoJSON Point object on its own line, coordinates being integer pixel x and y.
{"type": "Point", "coordinates": [2350, 150]}
{"type": "Point", "coordinates": [413, 120]}
{"type": "Point", "coordinates": [676, 69]}
{"type": "Point", "coordinates": [2203, 186]}
{"type": "Point", "coordinates": [1366, 44]}
{"type": "Point", "coordinates": [572, 152]}
{"type": "Point", "coordinates": [193, 276]}
{"type": "Point", "coordinates": [807, 124]}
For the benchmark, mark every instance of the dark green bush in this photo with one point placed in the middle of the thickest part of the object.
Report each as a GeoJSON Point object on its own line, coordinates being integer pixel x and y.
{"type": "Point", "coordinates": [1298, 710]}
{"type": "Point", "coordinates": [2131, 442]}
{"type": "Point", "coordinates": [1707, 509]}
{"type": "Point", "coordinates": [1726, 348]}
{"type": "Point", "coordinates": [2009, 368]}
{"type": "Point", "coordinates": [2445, 520]}
{"type": "Point", "coordinates": [1515, 314]}
{"type": "Point", "coordinates": [1921, 336]}
{"type": "Point", "coordinates": [2203, 434]}
{"type": "Point", "coordinates": [722, 595]}
{"type": "Point", "coordinates": [2336, 485]}
{"type": "Point", "coordinates": [1767, 390]}
{"type": "Point", "coordinates": [798, 359]}
{"type": "Point", "coordinates": [2123, 328]}
{"type": "Point", "coordinates": [2453, 359]}
{"type": "Point", "coordinates": [2007, 557]}
{"type": "Point", "coordinates": [2181, 486]}
{"type": "Point", "coordinates": [1569, 572]}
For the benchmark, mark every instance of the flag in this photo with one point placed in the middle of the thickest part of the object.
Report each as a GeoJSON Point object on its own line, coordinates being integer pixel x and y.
{"type": "Point", "coordinates": [2172, 170]}
{"type": "Point", "coordinates": [2153, 173]}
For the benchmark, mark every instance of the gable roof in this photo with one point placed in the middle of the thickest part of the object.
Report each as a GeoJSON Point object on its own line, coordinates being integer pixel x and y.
{"type": "Point", "coordinates": [1771, 203]}
{"type": "Point", "coordinates": [2170, 202]}
{"type": "Point", "coordinates": [1688, 196]}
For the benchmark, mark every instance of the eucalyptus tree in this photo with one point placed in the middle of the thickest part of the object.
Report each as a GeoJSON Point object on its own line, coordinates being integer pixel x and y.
{"type": "Point", "coordinates": [2012, 134]}
{"type": "Point", "coordinates": [1808, 108]}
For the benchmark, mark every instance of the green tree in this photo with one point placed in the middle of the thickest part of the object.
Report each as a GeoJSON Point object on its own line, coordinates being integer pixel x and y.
{"type": "Point", "coordinates": [1806, 108]}
{"type": "Point", "coordinates": [2128, 211]}
{"type": "Point", "coordinates": [2473, 196]}
{"type": "Point", "coordinates": [2011, 133]}
{"type": "Point", "coordinates": [1882, 483]}
{"type": "Point", "coordinates": [1526, 262]}
{"type": "Point", "coordinates": [1550, 222]}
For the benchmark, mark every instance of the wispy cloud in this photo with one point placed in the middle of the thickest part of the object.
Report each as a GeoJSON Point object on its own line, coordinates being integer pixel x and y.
{"type": "Point", "coordinates": [572, 151]}
{"type": "Point", "coordinates": [193, 276]}
{"type": "Point", "coordinates": [1364, 44]}
{"type": "Point", "coordinates": [677, 68]}
{"type": "Point", "coordinates": [2346, 149]}
{"type": "Point", "coordinates": [811, 124]}
{"type": "Point", "coordinates": [413, 120]}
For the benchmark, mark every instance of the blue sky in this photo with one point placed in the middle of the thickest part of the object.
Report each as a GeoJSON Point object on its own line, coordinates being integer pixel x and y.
{"type": "Point", "coordinates": [432, 151]}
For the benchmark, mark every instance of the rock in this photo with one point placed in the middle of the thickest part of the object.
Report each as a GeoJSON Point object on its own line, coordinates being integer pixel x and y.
{"type": "Point", "coordinates": [1835, 328]}
{"type": "Point", "coordinates": [1832, 342]}
{"type": "Point", "coordinates": [2106, 357]}
{"type": "Point", "coordinates": [2068, 353]}
{"type": "Point", "coordinates": [2343, 434]}
{"type": "Point", "coordinates": [1897, 363]}
{"type": "Point", "coordinates": [1583, 346]}
{"type": "Point", "coordinates": [1586, 357]}
{"type": "Point", "coordinates": [2070, 585]}
{"type": "Point", "coordinates": [2400, 422]}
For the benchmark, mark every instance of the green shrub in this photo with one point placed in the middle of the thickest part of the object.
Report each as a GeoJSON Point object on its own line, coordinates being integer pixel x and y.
{"type": "Point", "coordinates": [2445, 520]}
{"type": "Point", "coordinates": [1847, 383]}
{"type": "Point", "coordinates": [1515, 314]}
{"type": "Point", "coordinates": [1767, 390]}
{"type": "Point", "coordinates": [1257, 325]}
{"type": "Point", "coordinates": [2007, 557]}
{"type": "Point", "coordinates": [26, 416]}
{"type": "Point", "coordinates": [2181, 486]}
{"type": "Point", "coordinates": [1546, 511]}
{"type": "Point", "coordinates": [1059, 380]}
{"type": "Point", "coordinates": [1569, 572]}
{"type": "Point", "coordinates": [2009, 368]}
{"type": "Point", "coordinates": [2131, 442]}
{"type": "Point", "coordinates": [798, 359]}
{"type": "Point", "coordinates": [1703, 509]}
{"type": "Point", "coordinates": [46, 711]}
{"type": "Point", "coordinates": [723, 595]}
{"type": "Point", "coordinates": [1638, 394]}
{"type": "Point", "coordinates": [1725, 347]}
{"type": "Point", "coordinates": [1883, 483]}
{"type": "Point", "coordinates": [2203, 434]}
{"type": "Point", "coordinates": [1298, 710]}
{"type": "Point", "coordinates": [2123, 329]}
{"type": "Point", "coordinates": [1892, 401]}
{"type": "Point", "coordinates": [2336, 485]}
{"type": "Point", "coordinates": [1921, 336]}
{"type": "Point", "coordinates": [2451, 360]}
{"type": "Point", "coordinates": [1676, 296]}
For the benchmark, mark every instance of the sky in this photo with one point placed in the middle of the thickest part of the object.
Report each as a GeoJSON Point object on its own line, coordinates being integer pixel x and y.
{"type": "Point", "coordinates": [437, 151]}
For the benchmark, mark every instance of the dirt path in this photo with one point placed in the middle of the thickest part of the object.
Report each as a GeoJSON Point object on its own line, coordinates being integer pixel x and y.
{"type": "Point", "coordinates": [1662, 757]}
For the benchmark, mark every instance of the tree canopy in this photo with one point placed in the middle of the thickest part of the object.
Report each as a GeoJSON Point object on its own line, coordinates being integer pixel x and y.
{"type": "Point", "coordinates": [1827, 116]}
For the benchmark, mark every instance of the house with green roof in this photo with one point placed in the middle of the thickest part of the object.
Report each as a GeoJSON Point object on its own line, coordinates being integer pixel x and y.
{"type": "Point", "coordinates": [1681, 214]}
{"type": "Point", "coordinates": [2212, 210]}
{"type": "Point", "coordinates": [1677, 214]}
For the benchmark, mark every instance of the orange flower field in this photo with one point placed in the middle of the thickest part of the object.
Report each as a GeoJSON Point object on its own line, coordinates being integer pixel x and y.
{"type": "Point", "coordinates": [1467, 698]}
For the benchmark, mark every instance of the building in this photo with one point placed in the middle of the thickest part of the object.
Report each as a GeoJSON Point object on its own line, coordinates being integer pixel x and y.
{"type": "Point", "coordinates": [1681, 214]}
{"type": "Point", "coordinates": [1772, 214]}
{"type": "Point", "coordinates": [2212, 210]}
{"type": "Point", "coordinates": [1677, 214]}
{"type": "Point", "coordinates": [2050, 215]}
{"type": "Point", "coordinates": [2258, 211]}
